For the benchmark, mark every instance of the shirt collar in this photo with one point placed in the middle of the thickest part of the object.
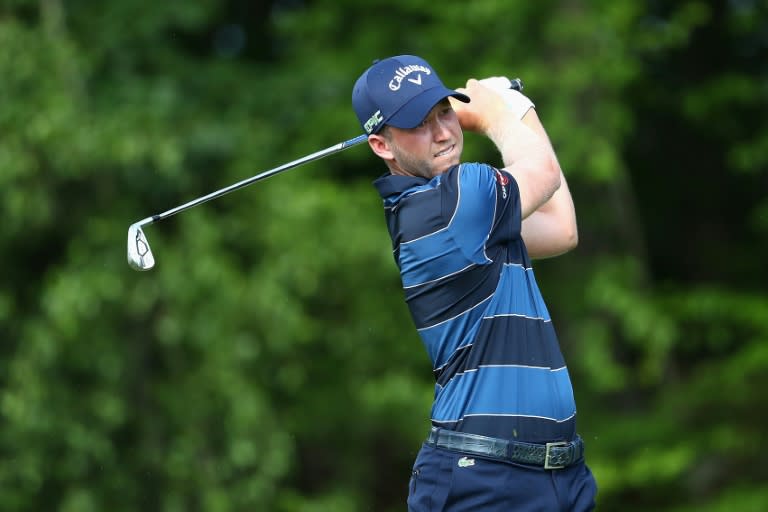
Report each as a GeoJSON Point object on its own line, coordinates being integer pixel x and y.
{"type": "Point", "coordinates": [390, 184]}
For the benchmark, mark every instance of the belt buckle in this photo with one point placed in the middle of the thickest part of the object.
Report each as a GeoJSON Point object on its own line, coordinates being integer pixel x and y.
{"type": "Point", "coordinates": [548, 455]}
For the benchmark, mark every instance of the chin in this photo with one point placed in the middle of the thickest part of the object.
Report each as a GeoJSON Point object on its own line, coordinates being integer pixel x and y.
{"type": "Point", "coordinates": [441, 169]}
{"type": "Point", "coordinates": [450, 163]}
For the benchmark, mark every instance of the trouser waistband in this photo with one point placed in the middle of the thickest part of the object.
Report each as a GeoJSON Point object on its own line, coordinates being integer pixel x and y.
{"type": "Point", "coordinates": [556, 455]}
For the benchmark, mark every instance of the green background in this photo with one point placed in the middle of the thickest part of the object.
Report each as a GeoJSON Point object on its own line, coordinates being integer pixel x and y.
{"type": "Point", "coordinates": [268, 362]}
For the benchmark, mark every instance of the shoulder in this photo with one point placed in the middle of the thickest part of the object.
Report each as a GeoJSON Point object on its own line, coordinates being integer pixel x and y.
{"type": "Point", "coordinates": [470, 172]}
{"type": "Point", "coordinates": [480, 175]}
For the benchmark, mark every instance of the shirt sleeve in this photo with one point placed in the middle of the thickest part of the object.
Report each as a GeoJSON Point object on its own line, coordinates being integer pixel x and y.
{"type": "Point", "coordinates": [487, 206]}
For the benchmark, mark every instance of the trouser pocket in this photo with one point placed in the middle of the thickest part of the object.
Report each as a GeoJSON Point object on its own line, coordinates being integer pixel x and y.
{"type": "Point", "coordinates": [430, 481]}
{"type": "Point", "coordinates": [412, 483]}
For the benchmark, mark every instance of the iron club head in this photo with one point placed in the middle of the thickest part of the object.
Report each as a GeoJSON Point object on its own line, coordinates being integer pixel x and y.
{"type": "Point", "coordinates": [139, 254]}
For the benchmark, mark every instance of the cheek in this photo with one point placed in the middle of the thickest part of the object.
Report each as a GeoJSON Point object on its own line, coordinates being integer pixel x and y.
{"type": "Point", "coordinates": [457, 128]}
{"type": "Point", "coordinates": [458, 135]}
{"type": "Point", "coordinates": [416, 145]}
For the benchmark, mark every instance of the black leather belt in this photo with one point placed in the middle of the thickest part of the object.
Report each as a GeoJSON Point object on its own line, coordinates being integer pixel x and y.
{"type": "Point", "coordinates": [557, 455]}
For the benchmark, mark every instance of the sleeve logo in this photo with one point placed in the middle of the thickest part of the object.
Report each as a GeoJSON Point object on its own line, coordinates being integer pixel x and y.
{"type": "Point", "coordinates": [503, 180]}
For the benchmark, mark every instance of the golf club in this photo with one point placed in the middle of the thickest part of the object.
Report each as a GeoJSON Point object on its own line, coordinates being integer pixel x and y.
{"type": "Point", "coordinates": [140, 255]}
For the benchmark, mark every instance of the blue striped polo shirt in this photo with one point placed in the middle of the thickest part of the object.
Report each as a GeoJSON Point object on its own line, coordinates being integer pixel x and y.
{"type": "Point", "coordinates": [473, 297]}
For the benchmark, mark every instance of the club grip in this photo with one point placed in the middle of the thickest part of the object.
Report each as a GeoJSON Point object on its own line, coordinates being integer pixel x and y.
{"type": "Point", "coordinates": [516, 84]}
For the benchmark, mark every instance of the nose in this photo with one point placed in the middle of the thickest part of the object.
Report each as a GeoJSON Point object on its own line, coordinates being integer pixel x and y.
{"type": "Point", "coordinates": [440, 130]}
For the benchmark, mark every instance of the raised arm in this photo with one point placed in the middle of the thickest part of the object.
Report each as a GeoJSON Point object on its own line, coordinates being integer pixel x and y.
{"type": "Point", "coordinates": [526, 154]}
{"type": "Point", "coordinates": [551, 230]}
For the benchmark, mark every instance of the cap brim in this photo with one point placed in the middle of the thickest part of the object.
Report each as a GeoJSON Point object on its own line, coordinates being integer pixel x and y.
{"type": "Point", "coordinates": [414, 111]}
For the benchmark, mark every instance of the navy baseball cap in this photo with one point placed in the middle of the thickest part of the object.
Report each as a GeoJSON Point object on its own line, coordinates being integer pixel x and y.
{"type": "Point", "coordinates": [399, 91]}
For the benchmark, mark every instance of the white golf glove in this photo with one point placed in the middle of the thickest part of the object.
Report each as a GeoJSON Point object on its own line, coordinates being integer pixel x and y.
{"type": "Point", "coordinates": [517, 101]}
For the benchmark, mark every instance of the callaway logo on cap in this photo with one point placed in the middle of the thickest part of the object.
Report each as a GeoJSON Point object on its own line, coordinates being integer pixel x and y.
{"type": "Point", "coordinates": [399, 91]}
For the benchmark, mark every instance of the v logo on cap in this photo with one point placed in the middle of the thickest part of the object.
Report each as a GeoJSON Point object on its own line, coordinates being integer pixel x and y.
{"type": "Point", "coordinates": [416, 81]}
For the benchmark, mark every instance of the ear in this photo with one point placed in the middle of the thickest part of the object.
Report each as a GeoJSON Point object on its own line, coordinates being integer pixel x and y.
{"type": "Point", "coordinates": [380, 146]}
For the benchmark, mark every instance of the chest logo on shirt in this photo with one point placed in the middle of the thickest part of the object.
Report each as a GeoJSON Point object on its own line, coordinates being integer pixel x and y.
{"type": "Point", "coordinates": [503, 180]}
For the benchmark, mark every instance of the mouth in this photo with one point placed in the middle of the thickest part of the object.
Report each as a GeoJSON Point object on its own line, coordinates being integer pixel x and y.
{"type": "Point", "coordinates": [446, 151]}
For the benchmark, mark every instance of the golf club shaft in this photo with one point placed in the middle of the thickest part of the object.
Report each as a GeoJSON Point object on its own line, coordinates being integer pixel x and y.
{"type": "Point", "coordinates": [253, 179]}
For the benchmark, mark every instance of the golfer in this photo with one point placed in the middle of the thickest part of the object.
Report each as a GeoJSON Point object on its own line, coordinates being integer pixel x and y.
{"type": "Point", "coordinates": [503, 434]}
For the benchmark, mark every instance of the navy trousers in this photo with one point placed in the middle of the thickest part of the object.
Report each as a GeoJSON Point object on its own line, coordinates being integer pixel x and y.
{"type": "Point", "coordinates": [444, 480]}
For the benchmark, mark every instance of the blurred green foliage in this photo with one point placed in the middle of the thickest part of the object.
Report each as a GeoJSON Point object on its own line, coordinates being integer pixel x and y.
{"type": "Point", "coordinates": [269, 362]}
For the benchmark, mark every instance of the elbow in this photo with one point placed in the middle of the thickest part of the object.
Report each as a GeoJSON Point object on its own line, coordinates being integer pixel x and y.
{"type": "Point", "coordinates": [567, 237]}
{"type": "Point", "coordinates": [568, 242]}
{"type": "Point", "coordinates": [570, 237]}
{"type": "Point", "coordinates": [549, 239]}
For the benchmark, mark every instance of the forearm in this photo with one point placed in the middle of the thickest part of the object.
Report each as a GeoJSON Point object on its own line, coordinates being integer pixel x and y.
{"type": "Point", "coordinates": [516, 141]}
{"type": "Point", "coordinates": [528, 157]}
{"type": "Point", "coordinates": [550, 230]}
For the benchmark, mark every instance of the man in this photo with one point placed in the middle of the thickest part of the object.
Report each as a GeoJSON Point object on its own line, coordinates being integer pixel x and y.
{"type": "Point", "coordinates": [503, 433]}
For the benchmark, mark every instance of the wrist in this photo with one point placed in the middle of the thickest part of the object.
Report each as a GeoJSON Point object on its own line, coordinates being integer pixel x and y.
{"type": "Point", "coordinates": [519, 103]}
